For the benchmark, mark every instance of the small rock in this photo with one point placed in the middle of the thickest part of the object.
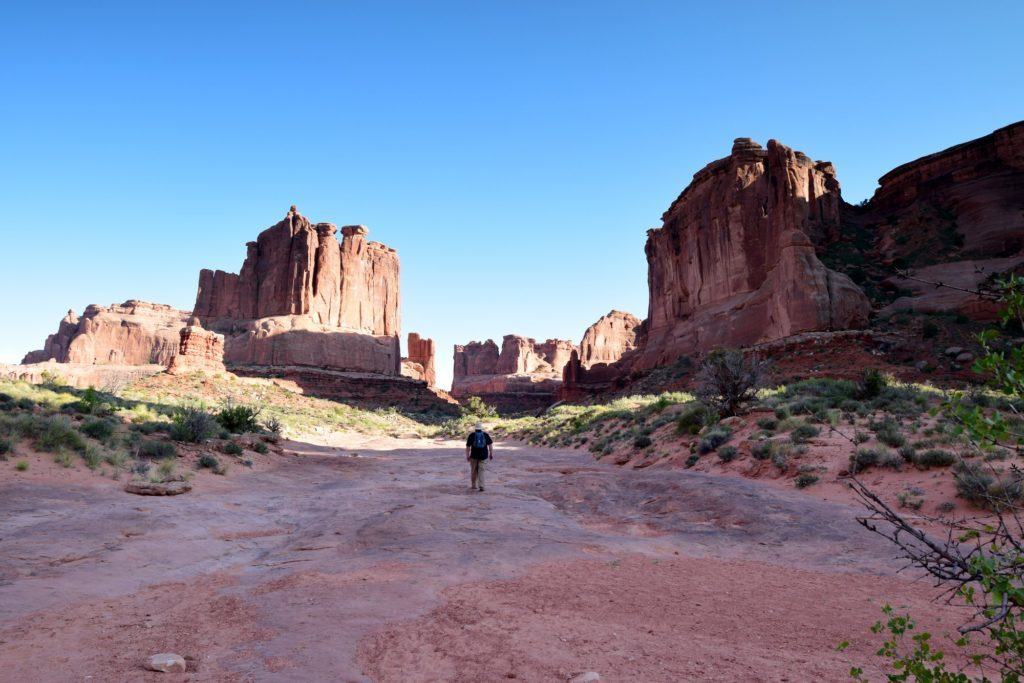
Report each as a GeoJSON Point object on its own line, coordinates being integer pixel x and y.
{"type": "Point", "coordinates": [921, 365]}
{"type": "Point", "coordinates": [953, 351]}
{"type": "Point", "coordinates": [167, 662]}
{"type": "Point", "coordinates": [587, 677]}
{"type": "Point", "coordinates": [965, 357]}
{"type": "Point", "coordinates": [148, 488]}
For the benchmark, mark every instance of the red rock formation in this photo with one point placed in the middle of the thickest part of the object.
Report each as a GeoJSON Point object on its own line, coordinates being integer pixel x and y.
{"type": "Point", "coordinates": [199, 351]}
{"type": "Point", "coordinates": [607, 339]}
{"type": "Point", "coordinates": [734, 263]}
{"type": "Point", "coordinates": [524, 375]}
{"type": "Point", "coordinates": [978, 186]}
{"type": "Point", "coordinates": [132, 333]}
{"type": "Point", "coordinates": [295, 268]}
{"type": "Point", "coordinates": [304, 299]}
{"type": "Point", "coordinates": [420, 362]}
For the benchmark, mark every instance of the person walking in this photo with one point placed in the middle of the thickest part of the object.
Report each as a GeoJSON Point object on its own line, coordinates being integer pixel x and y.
{"type": "Point", "coordinates": [479, 449]}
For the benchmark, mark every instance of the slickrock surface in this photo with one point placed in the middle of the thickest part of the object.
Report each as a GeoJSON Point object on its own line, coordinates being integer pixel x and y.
{"type": "Point", "coordinates": [132, 333]}
{"type": "Point", "coordinates": [325, 566]}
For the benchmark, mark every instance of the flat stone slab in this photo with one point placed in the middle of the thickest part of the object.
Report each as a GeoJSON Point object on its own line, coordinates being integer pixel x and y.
{"type": "Point", "coordinates": [148, 488]}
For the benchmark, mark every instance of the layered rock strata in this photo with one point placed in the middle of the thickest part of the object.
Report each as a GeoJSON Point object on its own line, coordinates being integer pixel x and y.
{"type": "Point", "coordinates": [523, 375]}
{"type": "Point", "coordinates": [199, 351]}
{"type": "Point", "coordinates": [133, 333]}
{"type": "Point", "coordinates": [419, 362]}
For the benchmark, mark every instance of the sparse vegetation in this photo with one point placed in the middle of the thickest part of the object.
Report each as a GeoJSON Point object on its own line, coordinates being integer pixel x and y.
{"type": "Point", "coordinates": [239, 418]}
{"type": "Point", "coordinates": [729, 379]}
{"type": "Point", "coordinates": [727, 453]}
{"type": "Point", "coordinates": [713, 438]}
{"type": "Point", "coordinates": [232, 448]}
{"type": "Point", "coordinates": [193, 425]}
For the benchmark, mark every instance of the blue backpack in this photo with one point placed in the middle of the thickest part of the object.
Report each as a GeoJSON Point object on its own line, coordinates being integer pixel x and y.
{"type": "Point", "coordinates": [479, 439]}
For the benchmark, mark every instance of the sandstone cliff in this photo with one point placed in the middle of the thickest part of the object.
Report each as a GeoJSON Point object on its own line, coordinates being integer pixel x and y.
{"type": "Point", "coordinates": [524, 375]}
{"type": "Point", "coordinates": [132, 333]}
{"type": "Point", "coordinates": [199, 351]}
{"type": "Point", "coordinates": [419, 362]}
{"type": "Point", "coordinates": [734, 262]}
{"type": "Point", "coordinates": [609, 338]}
{"type": "Point", "coordinates": [302, 298]}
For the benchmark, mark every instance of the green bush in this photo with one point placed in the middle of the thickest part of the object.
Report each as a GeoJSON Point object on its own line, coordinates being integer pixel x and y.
{"type": "Point", "coordinates": [260, 447]}
{"type": "Point", "coordinates": [762, 450]}
{"type": "Point", "coordinates": [767, 423]}
{"type": "Point", "coordinates": [98, 429]}
{"type": "Point", "coordinates": [804, 433]}
{"type": "Point", "coordinates": [160, 450]}
{"type": "Point", "coordinates": [713, 438]}
{"type": "Point", "coordinates": [783, 412]}
{"type": "Point", "coordinates": [6, 445]}
{"type": "Point", "coordinates": [973, 483]}
{"type": "Point", "coordinates": [692, 460]}
{"type": "Point", "coordinates": [805, 479]}
{"type": "Point", "coordinates": [934, 457]}
{"type": "Point", "coordinates": [64, 459]}
{"type": "Point", "coordinates": [209, 461]}
{"type": "Point", "coordinates": [232, 448]}
{"type": "Point", "coordinates": [193, 425]}
{"type": "Point", "coordinates": [727, 453]}
{"type": "Point", "coordinates": [642, 441]}
{"type": "Point", "coordinates": [873, 457]}
{"type": "Point", "coordinates": [871, 385]}
{"type": "Point", "coordinates": [475, 407]}
{"type": "Point", "coordinates": [238, 418]}
{"type": "Point", "coordinates": [92, 456]}
{"type": "Point", "coordinates": [692, 418]}
{"type": "Point", "coordinates": [21, 465]}
{"type": "Point", "coordinates": [59, 433]}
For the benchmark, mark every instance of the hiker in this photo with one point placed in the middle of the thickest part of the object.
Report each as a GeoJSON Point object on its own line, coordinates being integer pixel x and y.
{"type": "Point", "coordinates": [478, 449]}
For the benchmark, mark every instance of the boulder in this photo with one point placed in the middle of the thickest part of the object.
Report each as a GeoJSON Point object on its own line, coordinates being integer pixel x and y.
{"type": "Point", "coordinates": [149, 488]}
{"type": "Point", "coordinates": [167, 662]}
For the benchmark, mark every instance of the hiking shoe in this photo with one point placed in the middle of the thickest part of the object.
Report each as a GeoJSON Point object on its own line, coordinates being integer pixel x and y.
{"type": "Point", "coordinates": [481, 488]}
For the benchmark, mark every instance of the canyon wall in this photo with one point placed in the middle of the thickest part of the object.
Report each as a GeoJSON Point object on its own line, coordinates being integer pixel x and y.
{"type": "Point", "coordinates": [734, 262]}
{"type": "Point", "coordinates": [132, 333]}
{"type": "Point", "coordinates": [523, 375]}
{"type": "Point", "coordinates": [420, 362]}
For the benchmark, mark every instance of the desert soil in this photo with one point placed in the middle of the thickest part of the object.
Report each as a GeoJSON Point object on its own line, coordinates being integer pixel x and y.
{"type": "Point", "coordinates": [365, 558]}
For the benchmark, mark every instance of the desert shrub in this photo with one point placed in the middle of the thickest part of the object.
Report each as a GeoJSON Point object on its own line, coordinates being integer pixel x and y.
{"type": "Point", "coordinates": [692, 460]}
{"type": "Point", "coordinates": [780, 458]}
{"type": "Point", "coordinates": [805, 479]}
{"type": "Point", "coordinates": [762, 450]}
{"type": "Point", "coordinates": [92, 456]}
{"type": "Point", "coordinates": [767, 423]}
{"type": "Point", "coordinates": [782, 412]}
{"type": "Point", "coordinates": [58, 433]}
{"type": "Point", "coordinates": [164, 471]}
{"type": "Point", "coordinates": [873, 457]}
{"type": "Point", "coordinates": [25, 403]}
{"type": "Point", "coordinates": [115, 458]}
{"type": "Point", "coordinates": [911, 498]}
{"type": "Point", "coordinates": [273, 425]}
{"type": "Point", "coordinates": [727, 453]}
{"type": "Point", "coordinates": [728, 379]}
{"type": "Point", "coordinates": [98, 429]}
{"type": "Point", "coordinates": [5, 447]}
{"type": "Point", "coordinates": [64, 459]}
{"type": "Point", "coordinates": [193, 425]}
{"type": "Point", "coordinates": [713, 438]}
{"type": "Point", "coordinates": [232, 448]}
{"type": "Point", "coordinates": [209, 461]}
{"type": "Point", "coordinates": [804, 433]}
{"type": "Point", "coordinates": [21, 465]}
{"type": "Point", "coordinates": [260, 447]}
{"type": "Point", "coordinates": [860, 437]}
{"type": "Point", "coordinates": [692, 418]}
{"type": "Point", "coordinates": [151, 448]}
{"type": "Point", "coordinates": [642, 441]}
{"type": "Point", "coordinates": [475, 407]}
{"type": "Point", "coordinates": [871, 385]}
{"type": "Point", "coordinates": [929, 330]}
{"type": "Point", "coordinates": [934, 457]}
{"type": "Point", "coordinates": [239, 418]}
{"type": "Point", "coordinates": [973, 482]}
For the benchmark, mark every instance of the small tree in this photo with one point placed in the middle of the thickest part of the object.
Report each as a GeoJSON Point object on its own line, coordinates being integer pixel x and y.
{"type": "Point", "coordinates": [729, 378]}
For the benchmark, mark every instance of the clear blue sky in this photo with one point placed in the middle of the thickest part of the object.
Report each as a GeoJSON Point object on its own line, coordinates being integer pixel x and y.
{"type": "Point", "coordinates": [514, 153]}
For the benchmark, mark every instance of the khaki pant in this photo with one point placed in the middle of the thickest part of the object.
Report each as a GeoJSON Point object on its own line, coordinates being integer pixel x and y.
{"type": "Point", "coordinates": [476, 473]}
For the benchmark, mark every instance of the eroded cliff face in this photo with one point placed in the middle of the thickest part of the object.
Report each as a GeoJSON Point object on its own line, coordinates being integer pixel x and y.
{"type": "Point", "coordinates": [523, 375]}
{"type": "Point", "coordinates": [132, 333]}
{"type": "Point", "coordinates": [420, 360]}
{"type": "Point", "coordinates": [609, 338]}
{"type": "Point", "coordinates": [734, 262]}
{"type": "Point", "coordinates": [302, 298]}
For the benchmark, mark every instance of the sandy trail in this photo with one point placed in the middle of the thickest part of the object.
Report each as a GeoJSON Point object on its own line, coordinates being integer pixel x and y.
{"type": "Point", "coordinates": [386, 567]}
